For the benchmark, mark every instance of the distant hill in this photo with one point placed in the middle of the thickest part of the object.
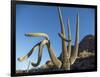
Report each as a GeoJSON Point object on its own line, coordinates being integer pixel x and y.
{"type": "Point", "coordinates": [87, 43]}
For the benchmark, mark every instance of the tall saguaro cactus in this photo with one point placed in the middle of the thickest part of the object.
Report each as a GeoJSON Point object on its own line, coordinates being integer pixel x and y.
{"type": "Point", "coordinates": [68, 56]}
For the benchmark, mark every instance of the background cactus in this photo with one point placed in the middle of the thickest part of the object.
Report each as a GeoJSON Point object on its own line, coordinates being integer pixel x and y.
{"type": "Point", "coordinates": [67, 57]}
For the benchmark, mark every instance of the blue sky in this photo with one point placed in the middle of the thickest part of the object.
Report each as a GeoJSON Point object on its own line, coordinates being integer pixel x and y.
{"type": "Point", "coordinates": [34, 18]}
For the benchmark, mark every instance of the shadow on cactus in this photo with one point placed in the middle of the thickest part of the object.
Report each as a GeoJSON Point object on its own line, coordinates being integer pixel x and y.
{"type": "Point", "coordinates": [68, 56]}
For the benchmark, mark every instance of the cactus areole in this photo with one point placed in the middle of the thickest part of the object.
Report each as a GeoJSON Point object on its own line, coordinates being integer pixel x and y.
{"type": "Point", "coordinates": [68, 56]}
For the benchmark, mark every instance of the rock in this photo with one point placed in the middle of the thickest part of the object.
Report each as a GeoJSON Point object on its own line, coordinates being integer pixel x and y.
{"type": "Point", "coordinates": [84, 63]}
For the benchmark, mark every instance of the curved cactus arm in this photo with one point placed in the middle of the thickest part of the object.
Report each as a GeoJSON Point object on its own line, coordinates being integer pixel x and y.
{"type": "Point", "coordinates": [69, 38]}
{"type": "Point", "coordinates": [53, 56]}
{"type": "Point", "coordinates": [62, 37]}
{"type": "Point", "coordinates": [23, 58]}
{"type": "Point", "coordinates": [39, 53]}
{"type": "Point", "coordinates": [38, 35]}
{"type": "Point", "coordinates": [75, 52]}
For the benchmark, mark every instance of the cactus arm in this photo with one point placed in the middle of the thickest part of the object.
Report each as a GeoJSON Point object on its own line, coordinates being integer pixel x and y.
{"type": "Point", "coordinates": [53, 56]}
{"type": "Point", "coordinates": [75, 52]}
{"type": "Point", "coordinates": [39, 53]}
{"type": "Point", "coordinates": [62, 37]}
{"type": "Point", "coordinates": [23, 58]}
{"type": "Point", "coordinates": [69, 38]}
{"type": "Point", "coordinates": [38, 35]}
{"type": "Point", "coordinates": [61, 21]}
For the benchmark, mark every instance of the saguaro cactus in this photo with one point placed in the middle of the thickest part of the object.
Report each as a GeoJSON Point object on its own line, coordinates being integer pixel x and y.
{"type": "Point", "coordinates": [68, 56]}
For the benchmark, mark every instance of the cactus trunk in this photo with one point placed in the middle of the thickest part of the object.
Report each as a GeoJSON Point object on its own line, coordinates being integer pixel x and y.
{"type": "Point", "coordinates": [65, 60]}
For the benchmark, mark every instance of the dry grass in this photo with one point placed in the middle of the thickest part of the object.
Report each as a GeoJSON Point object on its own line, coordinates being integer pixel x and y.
{"type": "Point", "coordinates": [85, 54]}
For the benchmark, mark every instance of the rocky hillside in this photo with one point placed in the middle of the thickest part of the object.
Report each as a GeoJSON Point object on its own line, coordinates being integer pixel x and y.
{"type": "Point", "coordinates": [84, 63]}
{"type": "Point", "coordinates": [87, 43]}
